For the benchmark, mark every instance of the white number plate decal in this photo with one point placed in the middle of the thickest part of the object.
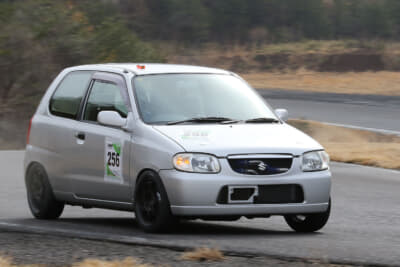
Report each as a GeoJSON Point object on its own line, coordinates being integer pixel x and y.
{"type": "Point", "coordinates": [113, 161]}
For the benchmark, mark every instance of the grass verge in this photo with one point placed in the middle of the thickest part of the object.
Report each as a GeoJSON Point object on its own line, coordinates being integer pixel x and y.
{"type": "Point", "coordinates": [203, 254]}
{"type": "Point", "coordinates": [378, 83]}
{"type": "Point", "coordinates": [128, 262]}
{"type": "Point", "coordinates": [354, 146]}
{"type": "Point", "coordinates": [199, 254]}
{"type": "Point", "coordinates": [7, 262]}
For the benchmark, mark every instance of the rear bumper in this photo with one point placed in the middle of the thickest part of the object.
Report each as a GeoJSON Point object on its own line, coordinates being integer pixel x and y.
{"type": "Point", "coordinates": [194, 194]}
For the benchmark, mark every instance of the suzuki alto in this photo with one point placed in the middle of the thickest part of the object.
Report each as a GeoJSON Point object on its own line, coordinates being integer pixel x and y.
{"type": "Point", "coordinates": [171, 142]}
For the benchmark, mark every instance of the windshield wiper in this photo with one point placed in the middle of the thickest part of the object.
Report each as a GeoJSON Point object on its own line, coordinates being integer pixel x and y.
{"type": "Point", "coordinates": [262, 120]}
{"type": "Point", "coordinates": [203, 119]}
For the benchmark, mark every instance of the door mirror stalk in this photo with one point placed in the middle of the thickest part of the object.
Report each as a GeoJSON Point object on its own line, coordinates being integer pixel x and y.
{"type": "Point", "coordinates": [130, 123]}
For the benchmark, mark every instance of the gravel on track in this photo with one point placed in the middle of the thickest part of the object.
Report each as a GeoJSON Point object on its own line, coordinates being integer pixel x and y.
{"type": "Point", "coordinates": [57, 251]}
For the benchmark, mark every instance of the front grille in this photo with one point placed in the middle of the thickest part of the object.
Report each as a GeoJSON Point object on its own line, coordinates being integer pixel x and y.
{"type": "Point", "coordinates": [270, 194]}
{"type": "Point", "coordinates": [261, 166]}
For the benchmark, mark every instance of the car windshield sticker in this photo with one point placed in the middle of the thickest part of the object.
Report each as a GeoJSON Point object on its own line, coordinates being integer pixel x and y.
{"type": "Point", "coordinates": [113, 161]}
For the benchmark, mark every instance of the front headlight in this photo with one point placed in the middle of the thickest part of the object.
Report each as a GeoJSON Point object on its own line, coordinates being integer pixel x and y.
{"type": "Point", "coordinates": [193, 162]}
{"type": "Point", "coordinates": [315, 161]}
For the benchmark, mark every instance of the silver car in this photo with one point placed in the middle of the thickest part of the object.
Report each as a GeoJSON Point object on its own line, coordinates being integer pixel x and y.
{"type": "Point", "coordinates": [171, 142]}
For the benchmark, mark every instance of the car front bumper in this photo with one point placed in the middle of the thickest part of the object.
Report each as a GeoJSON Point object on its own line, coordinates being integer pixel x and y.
{"type": "Point", "coordinates": [195, 194]}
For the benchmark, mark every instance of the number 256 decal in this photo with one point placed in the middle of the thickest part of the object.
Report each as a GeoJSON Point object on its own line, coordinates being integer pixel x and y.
{"type": "Point", "coordinates": [113, 159]}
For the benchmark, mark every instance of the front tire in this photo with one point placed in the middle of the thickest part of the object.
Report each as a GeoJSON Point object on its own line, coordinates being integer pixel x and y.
{"type": "Point", "coordinates": [152, 207]}
{"type": "Point", "coordinates": [41, 200]}
{"type": "Point", "coordinates": [308, 223]}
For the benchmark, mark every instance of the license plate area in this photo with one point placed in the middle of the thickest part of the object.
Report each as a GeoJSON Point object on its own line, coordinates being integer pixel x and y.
{"type": "Point", "coordinates": [242, 194]}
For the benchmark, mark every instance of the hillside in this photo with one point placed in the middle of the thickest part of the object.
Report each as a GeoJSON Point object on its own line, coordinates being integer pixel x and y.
{"type": "Point", "coordinates": [38, 38]}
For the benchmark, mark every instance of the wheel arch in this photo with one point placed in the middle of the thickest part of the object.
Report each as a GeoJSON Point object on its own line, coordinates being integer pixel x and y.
{"type": "Point", "coordinates": [143, 171]}
{"type": "Point", "coordinates": [29, 166]}
{"type": "Point", "coordinates": [33, 163]}
{"type": "Point", "coordinates": [138, 178]}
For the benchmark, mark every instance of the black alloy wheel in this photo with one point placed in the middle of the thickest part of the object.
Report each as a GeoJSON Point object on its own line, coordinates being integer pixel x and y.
{"type": "Point", "coordinates": [307, 223]}
{"type": "Point", "coordinates": [152, 207]}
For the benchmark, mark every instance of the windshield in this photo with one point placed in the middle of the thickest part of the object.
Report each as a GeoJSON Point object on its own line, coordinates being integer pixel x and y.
{"type": "Point", "coordinates": [165, 98]}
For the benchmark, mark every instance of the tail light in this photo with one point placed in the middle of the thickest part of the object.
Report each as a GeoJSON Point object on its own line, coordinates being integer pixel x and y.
{"type": "Point", "coordinates": [29, 131]}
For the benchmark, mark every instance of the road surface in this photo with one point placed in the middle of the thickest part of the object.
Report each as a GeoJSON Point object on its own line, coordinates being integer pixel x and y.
{"type": "Point", "coordinates": [364, 227]}
{"type": "Point", "coordinates": [373, 112]}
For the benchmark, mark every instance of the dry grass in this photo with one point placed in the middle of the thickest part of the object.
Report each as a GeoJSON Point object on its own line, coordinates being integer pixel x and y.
{"type": "Point", "coordinates": [203, 254]}
{"type": "Point", "coordinates": [128, 262]}
{"type": "Point", "coordinates": [7, 262]}
{"type": "Point", "coordinates": [176, 51]}
{"type": "Point", "coordinates": [200, 254]}
{"type": "Point", "coordinates": [266, 66]}
{"type": "Point", "coordinates": [328, 46]}
{"type": "Point", "coordinates": [382, 83]}
{"type": "Point", "coordinates": [354, 146]}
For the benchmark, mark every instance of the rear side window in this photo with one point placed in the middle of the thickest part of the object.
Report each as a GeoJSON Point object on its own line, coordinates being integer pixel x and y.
{"type": "Point", "coordinates": [68, 96]}
{"type": "Point", "coordinates": [104, 96]}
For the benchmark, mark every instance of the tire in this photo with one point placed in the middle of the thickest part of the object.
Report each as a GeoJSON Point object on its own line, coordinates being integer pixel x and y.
{"type": "Point", "coordinates": [152, 207]}
{"type": "Point", "coordinates": [308, 223]}
{"type": "Point", "coordinates": [41, 200]}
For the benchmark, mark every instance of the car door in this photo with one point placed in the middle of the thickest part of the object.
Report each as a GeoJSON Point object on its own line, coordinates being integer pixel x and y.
{"type": "Point", "coordinates": [103, 151]}
{"type": "Point", "coordinates": [57, 135]}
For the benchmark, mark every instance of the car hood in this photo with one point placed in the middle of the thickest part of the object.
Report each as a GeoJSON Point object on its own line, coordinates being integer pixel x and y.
{"type": "Point", "coordinates": [229, 139]}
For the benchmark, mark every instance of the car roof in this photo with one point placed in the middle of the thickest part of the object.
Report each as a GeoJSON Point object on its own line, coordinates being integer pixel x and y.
{"type": "Point", "coordinates": [150, 68]}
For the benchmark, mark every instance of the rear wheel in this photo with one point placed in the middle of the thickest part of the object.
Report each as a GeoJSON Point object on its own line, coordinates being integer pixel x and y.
{"type": "Point", "coordinates": [307, 223]}
{"type": "Point", "coordinates": [41, 200]}
{"type": "Point", "coordinates": [152, 207]}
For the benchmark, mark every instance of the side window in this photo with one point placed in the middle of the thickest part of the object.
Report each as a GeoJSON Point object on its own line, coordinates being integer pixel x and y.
{"type": "Point", "coordinates": [104, 96]}
{"type": "Point", "coordinates": [69, 93]}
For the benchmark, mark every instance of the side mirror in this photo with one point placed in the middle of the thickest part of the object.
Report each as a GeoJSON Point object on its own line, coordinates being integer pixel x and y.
{"type": "Point", "coordinates": [111, 118]}
{"type": "Point", "coordinates": [282, 113]}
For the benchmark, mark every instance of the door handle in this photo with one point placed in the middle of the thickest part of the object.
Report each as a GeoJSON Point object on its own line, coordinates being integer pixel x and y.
{"type": "Point", "coordinates": [80, 136]}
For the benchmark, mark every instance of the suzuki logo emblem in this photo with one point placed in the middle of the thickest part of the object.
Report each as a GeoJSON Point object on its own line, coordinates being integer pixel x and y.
{"type": "Point", "coordinates": [259, 164]}
{"type": "Point", "coordinates": [262, 166]}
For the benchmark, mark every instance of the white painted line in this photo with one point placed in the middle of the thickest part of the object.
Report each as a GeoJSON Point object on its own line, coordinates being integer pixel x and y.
{"type": "Point", "coordinates": [383, 131]}
{"type": "Point", "coordinates": [357, 102]}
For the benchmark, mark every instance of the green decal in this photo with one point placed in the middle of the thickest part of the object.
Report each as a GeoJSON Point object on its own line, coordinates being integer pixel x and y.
{"type": "Point", "coordinates": [109, 172]}
{"type": "Point", "coordinates": [117, 149]}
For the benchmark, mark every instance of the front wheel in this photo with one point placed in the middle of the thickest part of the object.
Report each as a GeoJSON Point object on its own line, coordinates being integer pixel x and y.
{"type": "Point", "coordinates": [41, 200]}
{"type": "Point", "coordinates": [307, 223]}
{"type": "Point", "coordinates": [152, 207]}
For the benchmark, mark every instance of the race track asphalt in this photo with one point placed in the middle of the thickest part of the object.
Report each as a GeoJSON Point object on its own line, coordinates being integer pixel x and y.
{"type": "Point", "coordinates": [364, 227]}
{"type": "Point", "coordinates": [374, 112]}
